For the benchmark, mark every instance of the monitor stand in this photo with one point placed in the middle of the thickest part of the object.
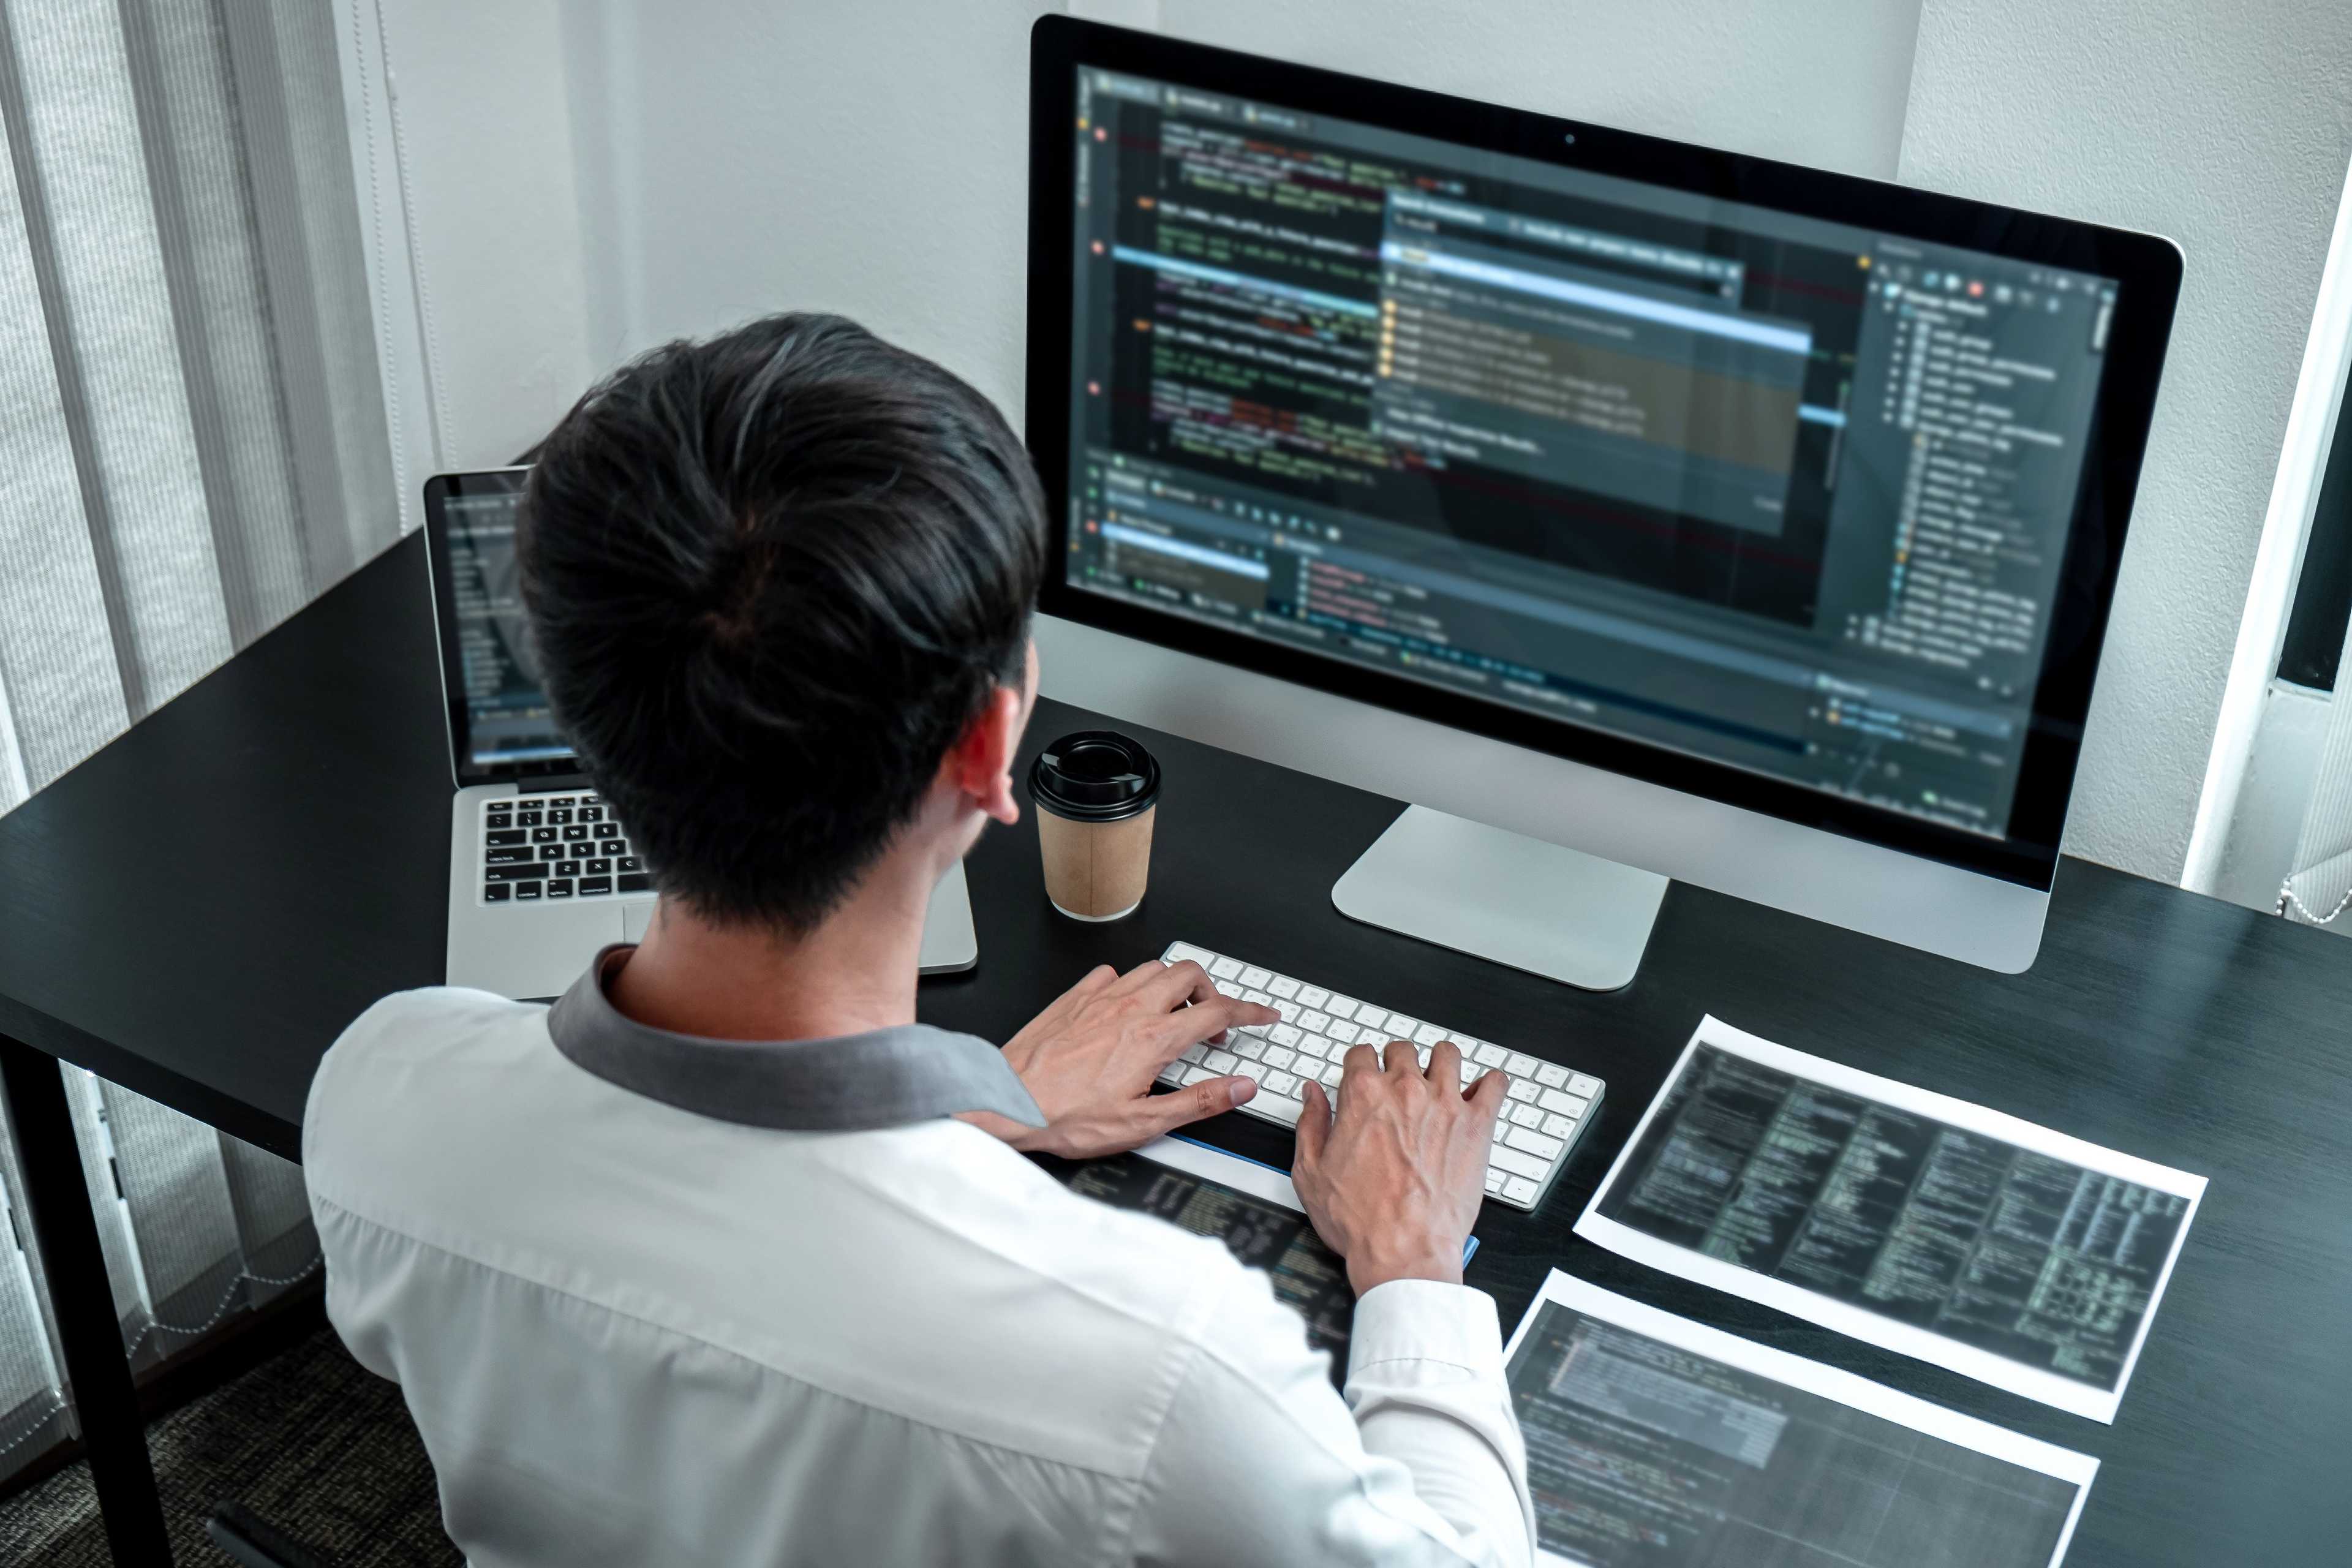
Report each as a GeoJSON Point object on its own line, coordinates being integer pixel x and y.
{"type": "Point", "coordinates": [1561, 913]}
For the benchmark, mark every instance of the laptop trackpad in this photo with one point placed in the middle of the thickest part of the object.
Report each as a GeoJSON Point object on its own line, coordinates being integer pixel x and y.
{"type": "Point", "coordinates": [635, 916]}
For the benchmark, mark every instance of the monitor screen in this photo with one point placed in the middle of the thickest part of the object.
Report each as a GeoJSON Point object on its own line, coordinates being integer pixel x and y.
{"type": "Point", "coordinates": [500, 711]}
{"type": "Point", "coordinates": [1783, 493]}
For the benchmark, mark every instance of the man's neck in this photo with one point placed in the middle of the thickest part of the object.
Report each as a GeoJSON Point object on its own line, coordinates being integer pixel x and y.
{"type": "Point", "coordinates": [854, 973]}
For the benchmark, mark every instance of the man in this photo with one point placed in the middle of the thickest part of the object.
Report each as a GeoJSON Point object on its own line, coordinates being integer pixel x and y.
{"type": "Point", "coordinates": [725, 1258]}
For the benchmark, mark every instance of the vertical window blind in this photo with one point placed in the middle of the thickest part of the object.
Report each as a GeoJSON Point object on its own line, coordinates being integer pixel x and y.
{"type": "Point", "coordinates": [192, 446]}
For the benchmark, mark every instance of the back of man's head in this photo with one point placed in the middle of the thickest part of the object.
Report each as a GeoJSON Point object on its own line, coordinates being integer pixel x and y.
{"type": "Point", "coordinates": [771, 578]}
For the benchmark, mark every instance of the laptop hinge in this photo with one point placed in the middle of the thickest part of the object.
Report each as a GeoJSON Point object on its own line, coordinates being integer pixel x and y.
{"type": "Point", "coordinates": [542, 784]}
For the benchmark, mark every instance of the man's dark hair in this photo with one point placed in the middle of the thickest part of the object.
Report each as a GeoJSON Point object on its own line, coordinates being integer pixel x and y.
{"type": "Point", "coordinates": [771, 578]}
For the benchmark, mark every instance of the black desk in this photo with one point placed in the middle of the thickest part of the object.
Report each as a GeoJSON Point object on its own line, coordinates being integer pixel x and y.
{"type": "Point", "coordinates": [197, 912]}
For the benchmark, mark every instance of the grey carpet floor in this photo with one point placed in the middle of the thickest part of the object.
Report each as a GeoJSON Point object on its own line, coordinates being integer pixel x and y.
{"type": "Point", "coordinates": [312, 1441]}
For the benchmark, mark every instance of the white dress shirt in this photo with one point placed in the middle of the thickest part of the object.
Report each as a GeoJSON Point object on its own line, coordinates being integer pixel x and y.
{"type": "Point", "coordinates": [631, 1333]}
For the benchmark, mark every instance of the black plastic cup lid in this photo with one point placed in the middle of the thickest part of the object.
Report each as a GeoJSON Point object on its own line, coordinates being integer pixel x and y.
{"type": "Point", "coordinates": [1095, 775]}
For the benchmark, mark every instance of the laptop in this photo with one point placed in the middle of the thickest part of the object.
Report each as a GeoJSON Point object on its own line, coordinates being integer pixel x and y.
{"type": "Point", "coordinates": [541, 872]}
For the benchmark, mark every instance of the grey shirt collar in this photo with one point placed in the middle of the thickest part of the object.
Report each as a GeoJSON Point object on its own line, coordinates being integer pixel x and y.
{"type": "Point", "coordinates": [848, 1083]}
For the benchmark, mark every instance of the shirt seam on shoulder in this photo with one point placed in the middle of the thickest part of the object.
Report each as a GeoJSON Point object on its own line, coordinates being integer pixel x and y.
{"type": "Point", "coordinates": [1147, 1488]}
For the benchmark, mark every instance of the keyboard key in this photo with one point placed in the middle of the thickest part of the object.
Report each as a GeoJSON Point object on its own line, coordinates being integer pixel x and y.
{"type": "Point", "coordinates": [497, 893]}
{"type": "Point", "coordinates": [512, 873]}
{"type": "Point", "coordinates": [528, 819]}
{"type": "Point", "coordinates": [1260, 997]}
{"type": "Point", "coordinates": [1284, 1034]}
{"type": "Point", "coordinates": [1341, 1006]}
{"type": "Point", "coordinates": [1428, 1034]}
{"type": "Point", "coordinates": [525, 891]}
{"type": "Point", "coordinates": [1195, 1053]}
{"type": "Point", "coordinates": [503, 837]}
{"type": "Point", "coordinates": [591, 814]}
{"type": "Point", "coordinates": [1220, 1062]}
{"type": "Point", "coordinates": [1521, 1065]}
{"type": "Point", "coordinates": [1565, 1103]}
{"type": "Point", "coordinates": [1526, 1116]}
{"type": "Point", "coordinates": [611, 846]}
{"type": "Point", "coordinates": [1314, 1023]}
{"type": "Point", "coordinates": [1183, 951]}
{"type": "Point", "coordinates": [1289, 1011]}
{"type": "Point", "coordinates": [1277, 1107]}
{"type": "Point", "coordinates": [1278, 1082]}
{"type": "Point", "coordinates": [1256, 978]}
{"type": "Point", "coordinates": [1284, 986]}
{"type": "Point", "coordinates": [1489, 1055]}
{"type": "Point", "coordinates": [1495, 1180]}
{"type": "Point", "coordinates": [1518, 1163]}
{"type": "Point", "coordinates": [1370, 1017]}
{"type": "Point", "coordinates": [1536, 1143]}
{"type": "Point", "coordinates": [638, 882]}
{"type": "Point", "coordinates": [1401, 1028]}
{"type": "Point", "coordinates": [1313, 996]}
{"type": "Point", "coordinates": [1584, 1087]}
{"type": "Point", "coordinates": [1253, 1070]}
{"type": "Point", "coordinates": [600, 868]}
{"type": "Point", "coordinates": [589, 885]}
{"type": "Point", "coordinates": [558, 888]}
{"type": "Point", "coordinates": [1558, 1126]}
{"type": "Point", "coordinates": [1192, 1075]}
{"type": "Point", "coordinates": [1521, 1089]}
{"type": "Point", "coordinates": [1551, 1075]}
{"type": "Point", "coordinates": [1247, 1046]}
{"type": "Point", "coordinates": [628, 863]}
{"type": "Point", "coordinates": [555, 800]}
{"type": "Point", "coordinates": [1279, 1057]}
{"type": "Point", "coordinates": [508, 857]}
{"type": "Point", "coordinates": [543, 834]}
{"type": "Point", "coordinates": [572, 835]}
{"type": "Point", "coordinates": [1520, 1190]}
{"type": "Point", "coordinates": [1226, 969]}
{"type": "Point", "coordinates": [565, 868]}
{"type": "Point", "coordinates": [499, 819]}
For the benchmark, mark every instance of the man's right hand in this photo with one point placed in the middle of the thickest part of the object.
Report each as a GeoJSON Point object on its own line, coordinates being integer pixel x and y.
{"type": "Point", "coordinates": [1393, 1182]}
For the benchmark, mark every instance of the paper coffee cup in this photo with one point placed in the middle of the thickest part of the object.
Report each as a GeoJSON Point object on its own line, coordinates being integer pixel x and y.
{"type": "Point", "coordinates": [1097, 793]}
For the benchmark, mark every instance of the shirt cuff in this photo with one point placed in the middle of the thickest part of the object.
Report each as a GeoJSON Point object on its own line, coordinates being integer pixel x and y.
{"type": "Point", "coordinates": [1424, 1320]}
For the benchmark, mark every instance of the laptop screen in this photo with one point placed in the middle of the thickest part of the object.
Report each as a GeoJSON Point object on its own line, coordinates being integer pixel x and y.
{"type": "Point", "coordinates": [498, 705]}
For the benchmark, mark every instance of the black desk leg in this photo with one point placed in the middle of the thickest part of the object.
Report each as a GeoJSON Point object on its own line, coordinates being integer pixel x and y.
{"type": "Point", "coordinates": [104, 1400]}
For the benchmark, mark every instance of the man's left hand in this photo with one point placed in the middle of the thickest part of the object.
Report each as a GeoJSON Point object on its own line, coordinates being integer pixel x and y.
{"type": "Point", "coordinates": [1089, 1060]}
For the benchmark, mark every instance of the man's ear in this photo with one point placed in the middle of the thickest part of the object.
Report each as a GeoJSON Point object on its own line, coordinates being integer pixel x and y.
{"type": "Point", "coordinates": [979, 764]}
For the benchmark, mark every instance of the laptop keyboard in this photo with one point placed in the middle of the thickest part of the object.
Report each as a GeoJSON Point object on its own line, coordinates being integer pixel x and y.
{"type": "Point", "coordinates": [537, 847]}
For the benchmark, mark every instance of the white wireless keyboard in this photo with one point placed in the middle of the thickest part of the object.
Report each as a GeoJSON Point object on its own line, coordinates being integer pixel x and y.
{"type": "Point", "coordinates": [1547, 1109]}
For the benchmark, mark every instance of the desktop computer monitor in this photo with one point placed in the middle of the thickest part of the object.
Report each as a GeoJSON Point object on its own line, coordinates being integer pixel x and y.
{"type": "Point", "coordinates": [1632, 509]}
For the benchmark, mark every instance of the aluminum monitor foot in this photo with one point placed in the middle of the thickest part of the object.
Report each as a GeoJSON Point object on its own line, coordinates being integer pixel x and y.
{"type": "Point", "coordinates": [1556, 912]}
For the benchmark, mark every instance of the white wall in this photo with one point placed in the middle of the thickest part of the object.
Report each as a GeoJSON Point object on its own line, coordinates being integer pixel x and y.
{"type": "Point", "coordinates": [873, 158]}
{"type": "Point", "coordinates": [728, 157]}
{"type": "Point", "coordinates": [462, 139]}
{"type": "Point", "coordinates": [2224, 126]}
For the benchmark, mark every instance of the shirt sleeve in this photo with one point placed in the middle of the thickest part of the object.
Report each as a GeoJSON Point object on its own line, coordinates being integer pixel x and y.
{"type": "Point", "coordinates": [1259, 1462]}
